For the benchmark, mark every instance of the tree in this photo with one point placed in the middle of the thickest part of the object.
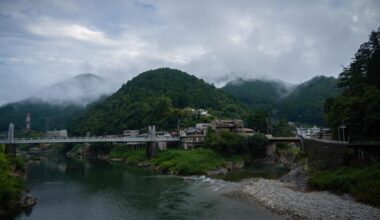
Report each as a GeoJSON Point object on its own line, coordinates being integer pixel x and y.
{"type": "Point", "coordinates": [226, 142]}
{"type": "Point", "coordinates": [258, 121]}
{"type": "Point", "coordinates": [257, 145]}
{"type": "Point", "coordinates": [360, 101]}
{"type": "Point", "coordinates": [282, 129]}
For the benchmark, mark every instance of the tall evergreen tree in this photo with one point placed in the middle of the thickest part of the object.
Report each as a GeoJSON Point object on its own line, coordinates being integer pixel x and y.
{"type": "Point", "coordinates": [360, 102]}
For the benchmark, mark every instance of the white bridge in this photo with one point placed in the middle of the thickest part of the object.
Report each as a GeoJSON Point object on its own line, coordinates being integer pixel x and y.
{"type": "Point", "coordinates": [150, 137]}
{"type": "Point", "coordinates": [90, 140]}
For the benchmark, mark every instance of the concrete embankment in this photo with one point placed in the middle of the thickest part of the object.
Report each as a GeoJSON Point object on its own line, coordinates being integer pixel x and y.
{"type": "Point", "coordinates": [285, 198]}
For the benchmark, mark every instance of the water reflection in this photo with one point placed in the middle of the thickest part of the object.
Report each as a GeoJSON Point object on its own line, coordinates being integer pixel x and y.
{"type": "Point", "coordinates": [92, 189]}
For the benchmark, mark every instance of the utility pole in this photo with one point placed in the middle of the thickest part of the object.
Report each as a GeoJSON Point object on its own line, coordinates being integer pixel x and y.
{"type": "Point", "coordinates": [339, 133]}
{"type": "Point", "coordinates": [344, 127]}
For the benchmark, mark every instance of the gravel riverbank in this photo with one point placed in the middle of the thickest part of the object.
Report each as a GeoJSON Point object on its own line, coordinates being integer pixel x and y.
{"type": "Point", "coordinates": [284, 198]}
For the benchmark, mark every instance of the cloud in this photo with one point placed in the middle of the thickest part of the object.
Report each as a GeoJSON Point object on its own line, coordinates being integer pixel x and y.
{"type": "Point", "coordinates": [60, 30]}
{"type": "Point", "coordinates": [44, 42]}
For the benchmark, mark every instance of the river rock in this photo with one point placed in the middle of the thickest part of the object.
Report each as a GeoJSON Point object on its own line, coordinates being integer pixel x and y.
{"type": "Point", "coordinates": [143, 164]}
{"type": "Point", "coordinates": [282, 198]}
{"type": "Point", "coordinates": [116, 159]}
{"type": "Point", "coordinates": [296, 177]}
{"type": "Point", "coordinates": [220, 171]}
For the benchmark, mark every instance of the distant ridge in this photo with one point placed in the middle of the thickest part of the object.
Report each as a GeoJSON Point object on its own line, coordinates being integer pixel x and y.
{"type": "Point", "coordinates": [55, 106]}
{"type": "Point", "coordinates": [299, 103]}
{"type": "Point", "coordinates": [80, 90]}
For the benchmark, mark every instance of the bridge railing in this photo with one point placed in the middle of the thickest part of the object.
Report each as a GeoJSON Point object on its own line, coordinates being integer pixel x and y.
{"type": "Point", "coordinates": [90, 139]}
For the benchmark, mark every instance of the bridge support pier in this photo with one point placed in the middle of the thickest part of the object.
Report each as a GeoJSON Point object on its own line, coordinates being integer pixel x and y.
{"type": "Point", "coordinates": [10, 150]}
{"type": "Point", "coordinates": [151, 149]}
{"type": "Point", "coordinates": [271, 149]}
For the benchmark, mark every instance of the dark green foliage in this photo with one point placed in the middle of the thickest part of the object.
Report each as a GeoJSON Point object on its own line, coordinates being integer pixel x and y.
{"type": "Point", "coordinates": [42, 114]}
{"type": "Point", "coordinates": [156, 97]}
{"type": "Point", "coordinates": [229, 143]}
{"type": "Point", "coordinates": [128, 155]}
{"type": "Point", "coordinates": [258, 121]}
{"type": "Point", "coordinates": [306, 103]}
{"type": "Point", "coordinates": [281, 128]}
{"type": "Point", "coordinates": [191, 162]}
{"type": "Point", "coordinates": [19, 163]}
{"type": "Point", "coordinates": [360, 101]}
{"type": "Point", "coordinates": [10, 186]}
{"type": "Point", "coordinates": [257, 146]}
{"type": "Point", "coordinates": [226, 142]}
{"type": "Point", "coordinates": [303, 103]}
{"type": "Point", "coordinates": [363, 184]}
{"type": "Point", "coordinates": [257, 94]}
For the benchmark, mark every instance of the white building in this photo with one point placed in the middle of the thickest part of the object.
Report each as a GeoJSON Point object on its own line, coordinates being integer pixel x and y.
{"type": "Point", "coordinates": [56, 134]}
{"type": "Point", "coordinates": [312, 132]}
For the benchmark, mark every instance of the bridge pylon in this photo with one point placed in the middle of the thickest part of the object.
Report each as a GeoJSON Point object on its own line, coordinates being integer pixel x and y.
{"type": "Point", "coordinates": [151, 149]}
{"type": "Point", "coordinates": [10, 146]}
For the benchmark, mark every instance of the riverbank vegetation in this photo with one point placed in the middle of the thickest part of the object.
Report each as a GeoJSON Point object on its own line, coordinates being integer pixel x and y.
{"type": "Point", "coordinates": [11, 185]}
{"type": "Point", "coordinates": [229, 143]}
{"type": "Point", "coordinates": [362, 183]}
{"type": "Point", "coordinates": [178, 161]}
{"type": "Point", "coordinates": [183, 162]}
{"type": "Point", "coordinates": [130, 156]}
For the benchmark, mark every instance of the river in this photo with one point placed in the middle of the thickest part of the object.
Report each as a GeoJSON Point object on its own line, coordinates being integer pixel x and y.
{"type": "Point", "coordinates": [92, 189]}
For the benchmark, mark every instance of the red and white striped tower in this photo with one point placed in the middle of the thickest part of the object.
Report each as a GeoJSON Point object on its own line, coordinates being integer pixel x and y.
{"type": "Point", "coordinates": [27, 121]}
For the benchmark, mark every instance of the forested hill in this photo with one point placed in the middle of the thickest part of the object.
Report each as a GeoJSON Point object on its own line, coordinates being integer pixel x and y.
{"type": "Point", "coordinates": [300, 103]}
{"type": "Point", "coordinates": [306, 102]}
{"type": "Point", "coordinates": [44, 115]}
{"type": "Point", "coordinates": [257, 94]}
{"type": "Point", "coordinates": [55, 106]}
{"type": "Point", "coordinates": [158, 97]}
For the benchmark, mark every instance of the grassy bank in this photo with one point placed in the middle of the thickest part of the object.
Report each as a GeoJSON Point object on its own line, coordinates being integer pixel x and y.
{"type": "Point", "coordinates": [130, 156]}
{"type": "Point", "coordinates": [184, 162]}
{"type": "Point", "coordinates": [190, 162]}
{"type": "Point", "coordinates": [11, 186]}
{"type": "Point", "coordinates": [363, 184]}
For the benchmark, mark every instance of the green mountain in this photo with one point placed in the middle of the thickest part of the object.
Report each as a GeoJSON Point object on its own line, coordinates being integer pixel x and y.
{"type": "Point", "coordinates": [302, 103]}
{"type": "Point", "coordinates": [158, 97]}
{"type": "Point", "coordinates": [44, 115]}
{"type": "Point", "coordinates": [55, 106]}
{"type": "Point", "coordinates": [306, 102]}
{"type": "Point", "coordinates": [257, 94]}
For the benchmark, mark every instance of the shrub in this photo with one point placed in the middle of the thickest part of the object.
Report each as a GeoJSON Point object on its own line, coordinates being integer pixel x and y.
{"type": "Point", "coordinates": [191, 162]}
{"type": "Point", "coordinates": [363, 184]}
{"type": "Point", "coordinates": [131, 156]}
{"type": "Point", "coordinates": [10, 187]}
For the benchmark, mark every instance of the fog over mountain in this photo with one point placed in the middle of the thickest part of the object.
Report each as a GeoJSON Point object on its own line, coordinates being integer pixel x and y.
{"type": "Point", "coordinates": [55, 106]}
{"type": "Point", "coordinates": [43, 42]}
{"type": "Point", "coordinates": [81, 90]}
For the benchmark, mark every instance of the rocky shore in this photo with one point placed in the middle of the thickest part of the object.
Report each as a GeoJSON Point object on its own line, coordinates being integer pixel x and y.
{"type": "Point", "coordinates": [286, 198]}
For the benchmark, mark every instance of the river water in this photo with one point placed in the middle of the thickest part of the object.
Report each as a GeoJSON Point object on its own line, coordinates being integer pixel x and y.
{"type": "Point", "coordinates": [93, 189]}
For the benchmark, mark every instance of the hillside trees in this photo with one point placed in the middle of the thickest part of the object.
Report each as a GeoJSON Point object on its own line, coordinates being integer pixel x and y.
{"type": "Point", "coordinates": [360, 101]}
{"type": "Point", "coordinates": [158, 97]}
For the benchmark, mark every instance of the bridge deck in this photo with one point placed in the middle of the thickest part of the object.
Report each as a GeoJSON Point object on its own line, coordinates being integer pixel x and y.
{"type": "Point", "coordinates": [89, 140]}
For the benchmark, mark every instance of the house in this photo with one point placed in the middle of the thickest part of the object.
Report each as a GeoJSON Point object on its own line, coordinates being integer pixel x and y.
{"type": "Point", "coordinates": [56, 134]}
{"type": "Point", "coordinates": [202, 112]}
{"type": "Point", "coordinates": [245, 131]}
{"type": "Point", "coordinates": [314, 132]}
{"type": "Point", "coordinates": [193, 136]}
{"type": "Point", "coordinates": [131, 133]}
{"type": "Point", "coordinates": [203, 126]}
{"type": "Point", "coordinates": [326, 134]}
{"type": "Point", "coordinates": [227, 124]}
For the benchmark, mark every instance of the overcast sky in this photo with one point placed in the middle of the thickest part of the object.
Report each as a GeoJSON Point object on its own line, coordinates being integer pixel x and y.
{"type": "Point", "coordinates": [46, 41]}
